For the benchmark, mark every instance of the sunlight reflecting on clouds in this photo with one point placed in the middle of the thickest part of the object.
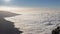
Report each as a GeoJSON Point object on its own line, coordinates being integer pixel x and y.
{"type": "Point", "coordinates": [6, 8]}
{"type": "Point", "coordinates": [23, 10]}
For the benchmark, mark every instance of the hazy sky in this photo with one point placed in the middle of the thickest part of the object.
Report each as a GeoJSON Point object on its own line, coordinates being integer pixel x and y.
{"type": "Point", "coordinates": [31, 3]}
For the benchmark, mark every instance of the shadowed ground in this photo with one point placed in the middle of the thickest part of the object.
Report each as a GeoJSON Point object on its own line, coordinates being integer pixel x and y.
{"type": "Point", "coordinates": [56, 31]}
{"type": "Point", "coordinates": [7, 27]}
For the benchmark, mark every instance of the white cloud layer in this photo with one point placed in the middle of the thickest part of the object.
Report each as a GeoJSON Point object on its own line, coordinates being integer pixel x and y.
{"type": "Point", "coordinates": [29, 10]}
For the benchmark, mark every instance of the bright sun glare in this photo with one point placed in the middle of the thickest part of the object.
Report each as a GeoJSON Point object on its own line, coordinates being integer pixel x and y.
{"type": "Point", "coordinates": [7, 0]}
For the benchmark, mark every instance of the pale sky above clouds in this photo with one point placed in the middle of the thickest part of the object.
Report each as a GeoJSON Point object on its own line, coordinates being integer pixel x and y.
{"type": "Point", "coordinates": [31, 3]}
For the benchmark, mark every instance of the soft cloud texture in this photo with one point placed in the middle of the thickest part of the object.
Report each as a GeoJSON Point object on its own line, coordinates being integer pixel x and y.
{"type": "Point", "coordinates": [29, 10]}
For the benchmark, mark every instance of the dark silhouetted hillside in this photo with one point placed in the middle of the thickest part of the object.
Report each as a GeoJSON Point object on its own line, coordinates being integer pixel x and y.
{"type": "Point", "coordinates": [7, 27]}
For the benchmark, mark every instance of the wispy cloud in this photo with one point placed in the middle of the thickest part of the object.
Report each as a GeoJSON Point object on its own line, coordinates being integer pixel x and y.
{"type": "Point", "coordinates": [28, 10]}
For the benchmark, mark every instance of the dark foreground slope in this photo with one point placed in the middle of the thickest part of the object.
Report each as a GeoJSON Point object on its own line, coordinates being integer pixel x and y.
{"type": "Point", "coordinates": [7, 27]}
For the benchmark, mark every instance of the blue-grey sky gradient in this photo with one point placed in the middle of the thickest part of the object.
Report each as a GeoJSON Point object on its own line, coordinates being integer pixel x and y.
{"type": "Point", "coordinates": [32, 3]}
